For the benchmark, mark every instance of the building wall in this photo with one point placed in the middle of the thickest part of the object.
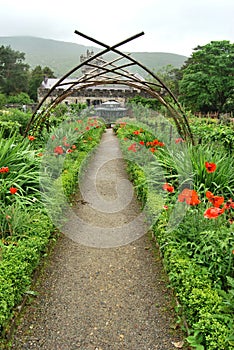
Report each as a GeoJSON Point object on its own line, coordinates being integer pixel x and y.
{"type": "Point", "coordinates": [91, 96]}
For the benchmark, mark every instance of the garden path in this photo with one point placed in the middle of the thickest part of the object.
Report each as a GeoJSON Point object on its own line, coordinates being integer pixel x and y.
{"type": "Point", "coordinates": [97, 293]}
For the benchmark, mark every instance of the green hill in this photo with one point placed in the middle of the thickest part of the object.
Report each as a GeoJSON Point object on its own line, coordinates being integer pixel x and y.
{"type": "Point", "coordinates": [62, 56]}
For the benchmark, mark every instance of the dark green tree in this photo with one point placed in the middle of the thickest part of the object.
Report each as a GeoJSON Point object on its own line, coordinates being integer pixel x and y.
{"type": "Point", "coordinates": [37, 75]}
{"type": "Point", "coordinates": [152, 103]}
{"type": "Point", "coordinates": [13, 71]}
{"type": "Point", "coordinates": [170, 76]}
{"type": "Point", "coordinates": [207, 82]}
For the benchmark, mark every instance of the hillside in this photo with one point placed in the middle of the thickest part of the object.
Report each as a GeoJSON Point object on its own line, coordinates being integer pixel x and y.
{"type": "Point", "coordinates": [61, 56]}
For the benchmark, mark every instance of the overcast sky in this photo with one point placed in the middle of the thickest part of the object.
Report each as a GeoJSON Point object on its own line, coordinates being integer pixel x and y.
{"type": "Point", "coordinates": [175, 26]}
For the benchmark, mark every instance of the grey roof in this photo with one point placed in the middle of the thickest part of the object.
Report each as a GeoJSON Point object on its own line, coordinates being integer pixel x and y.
{"type": "Point", "coordinates": [67, 83]}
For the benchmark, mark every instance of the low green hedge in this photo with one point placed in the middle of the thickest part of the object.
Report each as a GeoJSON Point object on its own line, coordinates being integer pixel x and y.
{"type": "Point", "coordinates": [76, 159]}
{"type": "Point", "coordinates": [19, 258]}
{"type": "Point", "coordinates": [21, 254]}
{"type": "Point", "coordinates": [210, 322]}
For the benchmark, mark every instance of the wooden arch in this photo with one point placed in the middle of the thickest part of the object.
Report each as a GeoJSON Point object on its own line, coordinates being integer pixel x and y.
{"type": "Point", "coordinates": [108, 72]}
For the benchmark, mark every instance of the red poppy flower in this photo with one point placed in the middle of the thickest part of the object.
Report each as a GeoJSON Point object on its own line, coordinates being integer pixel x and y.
{"type": "Point", "coordinates": [142, 143]}
{"type": "Point", "coordinates": [4, 169]}
{"type": "Point", "coordinates": [229, 204]}
{"type": "Point", "coordinates": [68, 150]}
{"type": "Point", "coordinates": [189, 196]}
{"type": "Point", "coordinates": [73, 146]}
{"type": "Point", "coordinates": [136, 132]}
{"type": "Point", "coordinates": [13, 190]}
{"type": "Point", "coordinates": [179, 140]}
{"type": "Point", "coordinates": [210, 167]}
{"type": "Point", "coordinates": [58, 150]}
{"type": "Point", "coordinates": [152, 149]}
{"type": "Point", "coordinates": [168, 188]}
{"type": "Point", "coordinates": [31, 138]}
{"type": "Point", "coordinates": [132, 147]}
{"type": "Point", "coordinates": [217, 201]}
{"type": "Point", "coordinates": [157, 143]}
{"type": "Point", "coordinates": [213, 213]}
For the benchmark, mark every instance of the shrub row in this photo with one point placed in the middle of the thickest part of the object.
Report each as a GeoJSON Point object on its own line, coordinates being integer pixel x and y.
{"type": "Point", "coordinates": [198, 258]}
{"type": "Point", "coordinates": [18, 260]}
{"type": "Point", "coordinates": [22, 249]}
{"type": "Point", "coordinates": [202, 305]}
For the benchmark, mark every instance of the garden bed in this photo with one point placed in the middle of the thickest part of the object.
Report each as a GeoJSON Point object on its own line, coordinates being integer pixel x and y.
{"type": "Point", "coordinates": [193, 227]}
{"type": "Point", "coordinates": [27, 229]}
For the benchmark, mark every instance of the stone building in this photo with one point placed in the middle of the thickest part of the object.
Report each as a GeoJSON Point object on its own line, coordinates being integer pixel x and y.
{"type": "Point", "coordinates": [91, 95]}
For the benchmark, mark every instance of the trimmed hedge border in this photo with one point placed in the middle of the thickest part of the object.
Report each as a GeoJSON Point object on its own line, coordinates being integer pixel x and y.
{"type": "Point", "coordinates": [200, 304]}
{"type": "Point", "coordinates": [20, 259]}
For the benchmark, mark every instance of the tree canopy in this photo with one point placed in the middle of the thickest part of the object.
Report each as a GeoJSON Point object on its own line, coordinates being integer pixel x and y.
{"type": "Point", "coordinates": [13, 71]}
{"type": "Point", "coordinates": [36, 77]}
{"type": "Point", "coordinates": [16, 76]}
{"type": "Point", "coordinates": [207, 82]}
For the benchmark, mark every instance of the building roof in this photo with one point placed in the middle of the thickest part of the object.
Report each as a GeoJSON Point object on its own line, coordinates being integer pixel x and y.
{"type": "Point", "coordinates": [48, 83]}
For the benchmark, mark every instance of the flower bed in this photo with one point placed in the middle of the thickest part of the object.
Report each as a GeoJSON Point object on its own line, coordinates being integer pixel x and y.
{"type": "Point", "coordinates": [26, 228]}
{"type": "Point", "coordinates": [194, 227]}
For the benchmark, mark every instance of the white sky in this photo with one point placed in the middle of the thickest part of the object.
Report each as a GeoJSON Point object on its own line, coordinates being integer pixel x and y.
{"type": "Point", "coordinates": [175, 26]}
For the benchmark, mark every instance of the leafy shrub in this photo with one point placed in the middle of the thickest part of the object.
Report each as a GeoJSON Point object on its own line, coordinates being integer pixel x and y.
{"type": "Point", "coordinates": [21, 98]}
{"type": "Point", "coordinates": [19, 258]}
{"type": "Point", "coordinates": [25, 227]}
{"type": "Point", "coordinates": [17, 118]}
{"type": "Point", "coordinates": [198, 253]}
{"type": "Point", "coordinates": [213, 133]}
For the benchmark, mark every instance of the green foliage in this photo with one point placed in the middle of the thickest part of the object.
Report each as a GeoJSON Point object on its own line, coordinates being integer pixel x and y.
{"type": "Point", "coordinates": [20, 98]}
{"type": "Point", "coordinates": [13, 71]}
{"type": "Point", "coordinates": [3, 100]}
{"type": "Point", "coordinates": [75, 161]}
{"type": "Point", "coordinates": [15, 119]}
{"type": "Point", "coordinates": [36, 78]}
{"type": "Point", "coordinates": [221, 181]}
{"type": "Point", "coordinates": [212, 132]}
{"type": "Point", "coordinates": [197, 252]}
{"type": "Point", "coordinates": [23, 171]}
{"type": "Point", "coordinates": [207, 83]}
{"type": "Point", "coordinates": [19, 258]}
{"type": "Point", "coordinates": [25, 227]}
{"type": "Point", "coordinates": [152, 103]}
{"type": "Point", "coordinates": [170, 76]}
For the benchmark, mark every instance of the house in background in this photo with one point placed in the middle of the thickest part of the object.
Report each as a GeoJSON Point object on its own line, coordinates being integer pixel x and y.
{"type": "Point", "coordinates": [91, 95]}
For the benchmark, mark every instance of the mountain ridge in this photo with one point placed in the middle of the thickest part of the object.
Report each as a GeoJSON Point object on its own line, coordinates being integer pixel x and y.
{"type": "Point", "coordinates": [61, 56]}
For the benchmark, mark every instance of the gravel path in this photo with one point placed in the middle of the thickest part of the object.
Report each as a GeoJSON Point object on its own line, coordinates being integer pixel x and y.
{"type": "Point", "coordinates": [102, 291]}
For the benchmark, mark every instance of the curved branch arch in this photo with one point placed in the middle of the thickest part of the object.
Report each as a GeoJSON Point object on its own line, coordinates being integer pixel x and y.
{"type": "Point", "coordinates": [109, 73]}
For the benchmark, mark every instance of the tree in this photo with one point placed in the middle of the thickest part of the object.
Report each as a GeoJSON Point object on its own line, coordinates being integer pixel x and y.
{"type": "Point", "coordinates": [36, 77]}
{"type": "Point", "coordinates": [13, 71]}
{"type": "Point", "coordinates": [21, 98]}
{"type": "Point", "coordinates": [170, 76]}
{"type": "Point", "coordinates": [208, 78]}
{"type": "Point", "coordinates": [152, 103]}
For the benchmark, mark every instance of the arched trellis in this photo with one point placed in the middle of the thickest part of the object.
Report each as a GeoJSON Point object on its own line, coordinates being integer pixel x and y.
{"type": "Point", "coordinates": [109, 73]}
